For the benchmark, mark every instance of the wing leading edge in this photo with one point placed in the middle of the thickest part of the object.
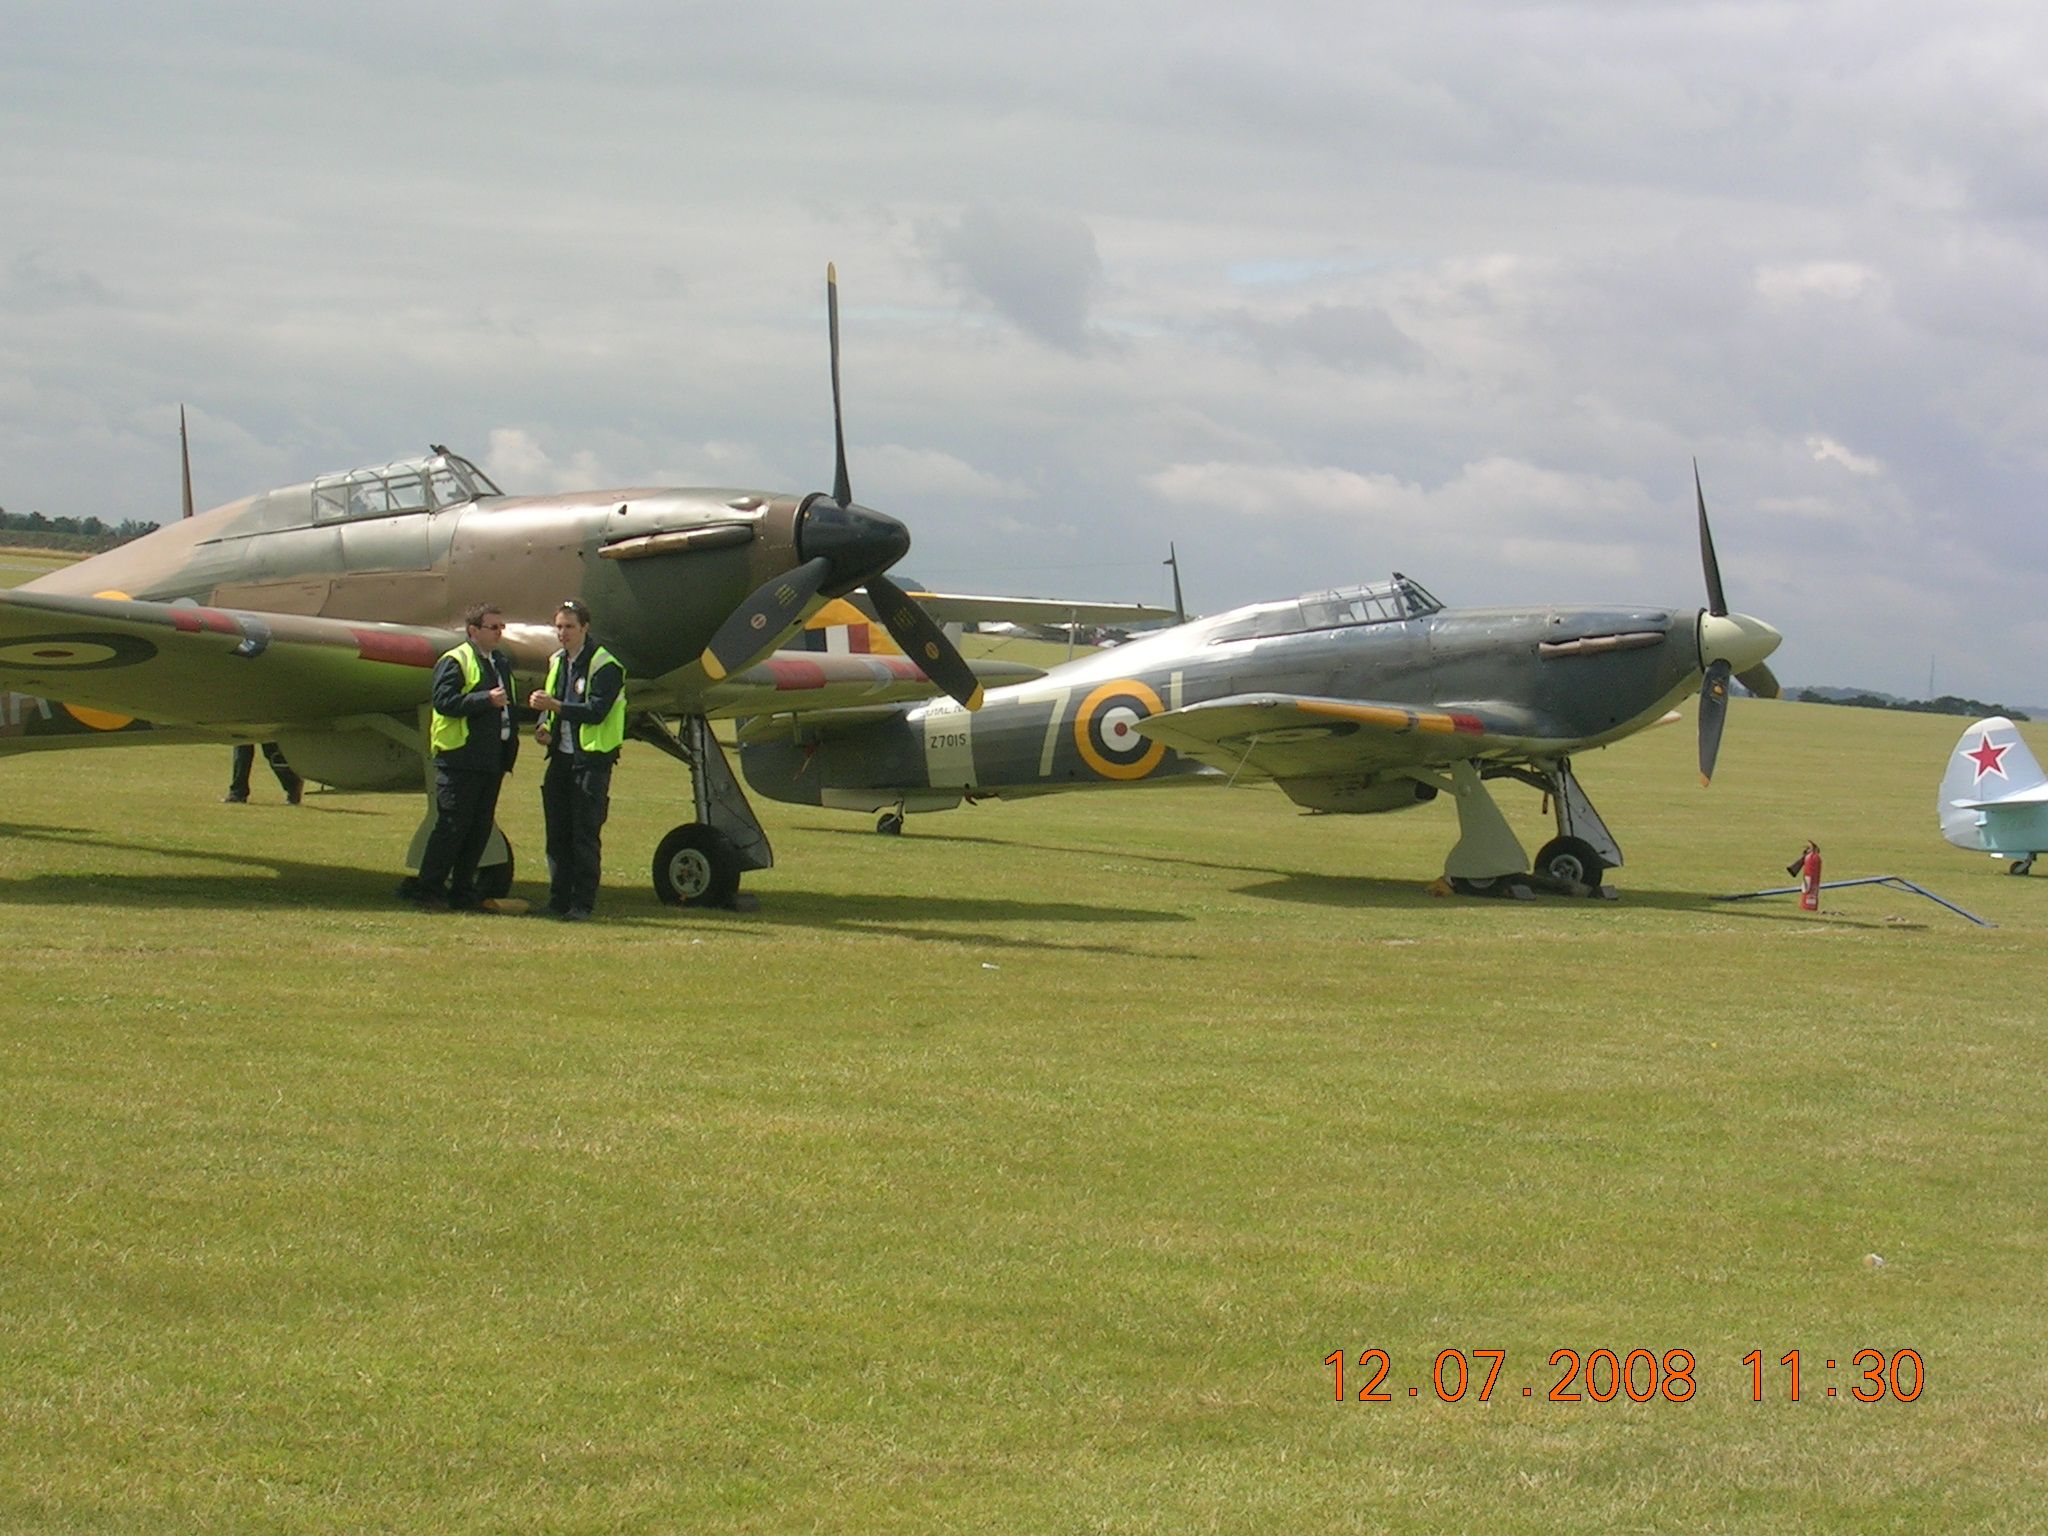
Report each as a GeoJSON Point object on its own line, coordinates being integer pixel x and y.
{"type": "Point", "coordinates": [1293, 736]}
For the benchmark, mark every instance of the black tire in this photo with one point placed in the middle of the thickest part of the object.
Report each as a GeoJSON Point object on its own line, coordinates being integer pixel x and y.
{"type": "Point", "coordinates": [890, 824]}
{"type": "Point", "coordinates": [696, 866]}
{"type": "Point", "coordinates": [2023, 866]}
{"type": "Point", "coordinates": [1570, 859]}
{"type": "Point", "coordinates": [494, 881]}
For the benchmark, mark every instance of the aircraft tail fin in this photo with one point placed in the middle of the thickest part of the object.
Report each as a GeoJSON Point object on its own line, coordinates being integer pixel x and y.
{"type": "Point", "coordinates": [1993, 793]}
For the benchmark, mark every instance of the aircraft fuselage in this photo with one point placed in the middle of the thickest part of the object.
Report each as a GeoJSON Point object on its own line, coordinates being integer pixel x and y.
{"type": "Point", "coordinates": [1566, 679]}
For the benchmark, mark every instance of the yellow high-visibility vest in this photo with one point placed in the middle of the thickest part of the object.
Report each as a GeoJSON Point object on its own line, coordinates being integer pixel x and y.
{"type": "Point", "coordinates": [451, 732]}
{"type": "Point", "coordinates": [606, 734]}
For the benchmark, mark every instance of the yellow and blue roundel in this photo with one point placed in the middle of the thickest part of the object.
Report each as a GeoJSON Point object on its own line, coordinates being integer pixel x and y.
{"type": "Point", "coordinates": [1106, 733]}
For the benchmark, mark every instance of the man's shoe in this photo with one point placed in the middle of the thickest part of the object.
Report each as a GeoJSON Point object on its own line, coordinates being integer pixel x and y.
{"type": "Point", "coordinates": [576, 915]}
{"type": "Point", "coordinates": [231, 798]}
{"type": "Point", "coordinates": [429, 901]}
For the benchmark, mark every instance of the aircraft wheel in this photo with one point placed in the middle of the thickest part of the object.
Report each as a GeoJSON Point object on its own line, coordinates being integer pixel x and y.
{"type": "Point", "coordinates": [494, 881]}
{"type": "Point", "coordinates": [890, 824]}
{"type": "Point", "coordinates": [2021, 866]}
{"type": "Point", "coordinates": [1571, 859]}
{"type": "Point", "coordinates": [695, 866]}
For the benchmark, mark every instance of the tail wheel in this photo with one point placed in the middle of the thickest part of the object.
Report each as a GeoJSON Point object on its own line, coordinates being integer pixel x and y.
{"type": "Point", "coordinates": [1570, 859]}
{"type": "Point", "coordinates": [890, 824]}
{"type": "Point", "coordinates": [2021, 866]}
{"type": "Point", "coordinates": [696, 866]}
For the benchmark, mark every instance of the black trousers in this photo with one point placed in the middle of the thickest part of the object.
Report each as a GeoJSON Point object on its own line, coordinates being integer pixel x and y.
{"type": "Point", "coordinates": [575, 797]}
{"type": "Point", "coordinates": [245, 760]}
{"type": "Point", "coordinates": [465, 804]}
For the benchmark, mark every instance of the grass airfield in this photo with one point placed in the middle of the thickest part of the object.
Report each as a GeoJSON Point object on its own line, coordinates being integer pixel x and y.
{"type": "Point", "coordinates": [1019, 1174]}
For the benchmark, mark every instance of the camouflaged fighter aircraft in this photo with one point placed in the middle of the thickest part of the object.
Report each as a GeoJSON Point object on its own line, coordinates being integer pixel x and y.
{"type": "Point", "coordinates": [312, 616]}
{"type": "Point", "coordinates": [1365, 699]}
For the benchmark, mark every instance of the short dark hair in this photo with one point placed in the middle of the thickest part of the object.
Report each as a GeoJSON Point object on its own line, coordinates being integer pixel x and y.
{"type": "Point", "coordinates": [478, 613]}
{"type": "Point", "coordinates": [574, 609]}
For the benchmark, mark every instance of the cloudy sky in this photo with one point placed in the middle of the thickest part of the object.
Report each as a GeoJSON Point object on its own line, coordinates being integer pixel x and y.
{"type": "Point", "coordinates": [1313, 290]}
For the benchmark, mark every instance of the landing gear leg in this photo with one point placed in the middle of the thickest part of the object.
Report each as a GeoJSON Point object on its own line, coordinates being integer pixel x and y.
{"type": "Point", "coordinates": [890, 823]}
{"type": "Point", "coordinates": [699, 863]}
{"type": "Point", "coordinates": [1583, 849]}
{"type": "Point", "coordinates": [1487, 847]}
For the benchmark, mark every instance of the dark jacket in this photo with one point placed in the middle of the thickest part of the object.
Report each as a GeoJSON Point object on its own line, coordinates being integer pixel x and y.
{"type": "Point", "coordinates": [586, 705]}
{"type": "Point", "coordinates": [488, 749]}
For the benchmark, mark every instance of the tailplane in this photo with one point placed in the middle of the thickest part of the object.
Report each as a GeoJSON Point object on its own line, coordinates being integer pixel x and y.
{"type": "Point", "coordinates": [1994, 796]}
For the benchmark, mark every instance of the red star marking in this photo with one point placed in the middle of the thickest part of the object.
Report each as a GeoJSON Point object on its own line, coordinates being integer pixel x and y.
{"type": "Point", "coordinates": [1987, 757]}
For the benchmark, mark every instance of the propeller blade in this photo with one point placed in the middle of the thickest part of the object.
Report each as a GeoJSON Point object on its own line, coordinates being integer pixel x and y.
{"type": "Point", "coordinates": [751, 630]}
{"type": "Point", "coordinates": [924, 642]}
{"type": "Point", "coordinates": [1759, 680]}
{"type": "Point", "coordinates": [1713, 714]}
{"type": "Point", "coordinates": [842, 487]}
{"type": "Point", "coordinates": [1717, 600]}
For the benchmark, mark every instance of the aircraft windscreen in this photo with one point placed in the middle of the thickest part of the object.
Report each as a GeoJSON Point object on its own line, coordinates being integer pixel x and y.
{"type": "Point", "coordinates": [1341, 608]}
{"type": "Point", "coordinates": [412, 485]}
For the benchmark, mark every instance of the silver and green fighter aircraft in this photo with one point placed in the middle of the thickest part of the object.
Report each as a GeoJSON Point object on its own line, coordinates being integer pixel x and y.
{"type": "Point", "coordinates": [312, 616]}
{"type": "Point", "coordinates": [1365, 699]}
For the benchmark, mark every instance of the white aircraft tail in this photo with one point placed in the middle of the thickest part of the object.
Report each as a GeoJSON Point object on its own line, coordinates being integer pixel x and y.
{"type": "Point", "coordinates": [1994, 796]}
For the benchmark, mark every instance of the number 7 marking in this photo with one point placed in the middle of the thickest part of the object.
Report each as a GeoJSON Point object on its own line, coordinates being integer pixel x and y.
{"type": "Point", "coordinates": [1052, 731]}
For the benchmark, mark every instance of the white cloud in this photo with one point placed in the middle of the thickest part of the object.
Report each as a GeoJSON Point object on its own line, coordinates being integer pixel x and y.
{"type": "Point", "coordinates": [1827, 451]}
{"type": "Point", "coordinates": [1838, 282]}
{"type": "Point", "coordinates": [522, 467]}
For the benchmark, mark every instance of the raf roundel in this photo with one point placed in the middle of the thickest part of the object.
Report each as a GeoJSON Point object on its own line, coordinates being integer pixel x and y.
{"type": "Point", "coordinates": [74, 652]}
{"type": "Point", "coordinates": [1106, 730]}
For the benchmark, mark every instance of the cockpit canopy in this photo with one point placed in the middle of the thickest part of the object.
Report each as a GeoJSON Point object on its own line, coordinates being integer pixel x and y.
{"type": "Point", "coordinates": [442, 479]}
{"type": "Point", "coordinates": [1387, 602]}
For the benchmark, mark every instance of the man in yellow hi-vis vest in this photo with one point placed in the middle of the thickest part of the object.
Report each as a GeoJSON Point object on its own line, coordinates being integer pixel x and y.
{"type": "Point", "coordinates": [473, 744]}
{"type": "Point", "coordinates": [582, 723]}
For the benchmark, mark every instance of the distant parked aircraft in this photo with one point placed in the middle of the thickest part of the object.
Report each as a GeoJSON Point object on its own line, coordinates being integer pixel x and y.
{"type": "Point", "coordinates": [1994, 797]}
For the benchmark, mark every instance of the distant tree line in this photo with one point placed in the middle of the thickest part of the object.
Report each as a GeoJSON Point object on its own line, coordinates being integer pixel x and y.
{"type": "Point", "coordinates": [1947, 704]}
{"type": "Point", "coordinates": [87, 535]}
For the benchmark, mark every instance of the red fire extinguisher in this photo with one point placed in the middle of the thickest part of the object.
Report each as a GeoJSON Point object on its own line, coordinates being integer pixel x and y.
{"type": "Point", "coordinates": [1809, 879]}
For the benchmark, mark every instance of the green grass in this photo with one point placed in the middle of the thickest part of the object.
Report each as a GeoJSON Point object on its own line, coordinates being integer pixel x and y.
{"type": "Point", "coordinates": [1017, 1174]}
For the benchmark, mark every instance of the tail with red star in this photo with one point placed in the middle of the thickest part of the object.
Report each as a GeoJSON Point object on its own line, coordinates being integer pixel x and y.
{"type": "Point", "coordinates": [1994, 796]}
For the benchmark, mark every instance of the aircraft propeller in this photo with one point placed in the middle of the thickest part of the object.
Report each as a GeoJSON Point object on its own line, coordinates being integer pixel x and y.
{"type": "Point", "coordinates": [1725, 640]}
{"type": "Point", "coordinates": [844, 545]}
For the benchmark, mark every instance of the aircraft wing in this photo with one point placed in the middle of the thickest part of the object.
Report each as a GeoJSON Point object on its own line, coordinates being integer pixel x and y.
{"type": "Point", "coordinates": [965, 608]}
{"type": "Point", "coordinates": [181, 664]}
{"type": "Point", "coordinates": [1294, 736]}
{"type": "Point", "coordinates": [799, 682]}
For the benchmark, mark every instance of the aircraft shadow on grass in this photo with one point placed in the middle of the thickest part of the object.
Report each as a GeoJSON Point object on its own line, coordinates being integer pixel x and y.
{"type": "Point", "coordinates": [292, 882]}
{"type": "Point", "coordinates": [1380, 891]}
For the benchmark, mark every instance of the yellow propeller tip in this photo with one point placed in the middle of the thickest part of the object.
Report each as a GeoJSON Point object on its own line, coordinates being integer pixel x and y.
{"type": "Point", "coordinates": [712, 668]}
{"type": "Point", "coordinates": [974, 699]}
